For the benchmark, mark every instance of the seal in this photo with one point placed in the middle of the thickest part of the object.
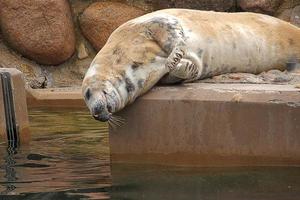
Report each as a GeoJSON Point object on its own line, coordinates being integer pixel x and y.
{"type": "Point", "coordinates": [181, 45]}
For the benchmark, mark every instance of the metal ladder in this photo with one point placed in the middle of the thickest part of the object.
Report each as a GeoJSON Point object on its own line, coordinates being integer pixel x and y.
{"type": "Point", "coordinates": [12, 129]}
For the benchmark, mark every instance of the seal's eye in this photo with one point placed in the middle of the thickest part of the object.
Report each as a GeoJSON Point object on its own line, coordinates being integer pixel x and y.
{"type": "Point", "coordinates": [88, 94]}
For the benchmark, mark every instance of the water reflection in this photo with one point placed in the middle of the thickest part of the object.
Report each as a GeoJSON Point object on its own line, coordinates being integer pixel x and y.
{"type": "Point", "coordinates": [10, 172]}
{"type": "Point", "coordinates": [68, 152]}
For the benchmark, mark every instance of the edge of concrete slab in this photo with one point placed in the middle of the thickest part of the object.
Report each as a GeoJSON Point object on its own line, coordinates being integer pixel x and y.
{"type": "Point", "coordinates": [72, 97]}
{"type": "Point", "coordinates": [55, 97]}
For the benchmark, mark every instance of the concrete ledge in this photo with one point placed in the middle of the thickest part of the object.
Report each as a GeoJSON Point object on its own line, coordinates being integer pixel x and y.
{"type": "Point", "coordinates": [211, 125]}
{"type": "Point", "coordinates": [57, 97]}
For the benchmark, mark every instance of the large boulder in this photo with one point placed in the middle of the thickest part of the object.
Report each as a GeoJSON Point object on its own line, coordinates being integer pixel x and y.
{"type": "Point", "coordinates": [295, 16]}
{"type": "Point", "coordinates": [100, 19]}
{"type": "Point", "coordinates": [41, 30]}
{"type": "Point", "coordinates": [216, 5]}
{"type": "Point", "coordinates": [260, 6]}
{"type": "Point", "coordinates": [289, 11]}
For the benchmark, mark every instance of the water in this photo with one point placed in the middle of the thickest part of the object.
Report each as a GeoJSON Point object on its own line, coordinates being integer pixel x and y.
{"type": "Point", "coordinates": [180, 183]}
{"type": "Point", "coordinates": [68, 152]}
{"type": "Point", "coordinates": [68, 158]}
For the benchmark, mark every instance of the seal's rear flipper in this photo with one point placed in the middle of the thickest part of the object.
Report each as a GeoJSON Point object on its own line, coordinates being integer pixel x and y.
{"type": "Point", "coordinates": [293, 66]}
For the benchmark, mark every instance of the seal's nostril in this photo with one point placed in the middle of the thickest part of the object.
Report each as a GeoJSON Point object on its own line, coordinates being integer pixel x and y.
{"type": "Point", "coordinates": [109, 108]}
{"type": "Point", "coordinates": [98, 109]}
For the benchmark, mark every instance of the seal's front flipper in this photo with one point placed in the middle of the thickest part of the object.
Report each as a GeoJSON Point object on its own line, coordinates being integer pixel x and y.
{"type": "Point", "coordinates": [186, 69]}
{"type": "Point", "coordinates": [175, 58]}
{"type": "Point", "coordinates": [168, 33]}
{"type": "Point", "coordinates": [184, 65]}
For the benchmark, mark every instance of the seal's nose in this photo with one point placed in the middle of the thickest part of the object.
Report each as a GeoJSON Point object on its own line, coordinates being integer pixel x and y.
{"type": "Point", "coordinates": [100, 112]}
{"type": "Point", "coordinates": [102, 118]}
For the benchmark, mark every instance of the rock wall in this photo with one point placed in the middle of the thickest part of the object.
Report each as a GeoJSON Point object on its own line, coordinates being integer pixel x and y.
{"type": "Point", "coordinates": [53, 41]}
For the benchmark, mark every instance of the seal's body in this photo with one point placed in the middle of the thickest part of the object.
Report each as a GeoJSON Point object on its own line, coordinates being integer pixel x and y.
{"type": "Point", "coordinates": [179, 45]}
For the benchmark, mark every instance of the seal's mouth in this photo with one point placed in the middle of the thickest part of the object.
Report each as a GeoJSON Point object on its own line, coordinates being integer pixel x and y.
{"type": "Point", "coordinates": [102, 118]}
{"type": "Point", "coordinates": [105, 115]}
{"type": "Point", "coordinates": [112, 105]}
{"type": "Point", "coordinates": [107, 103]}
{"type": "Point", "coordinates": [99, 111]}
{"type": "Point", "coordinates": [103, 107]}
{"type": "Point", "coordinates": [112, 120]}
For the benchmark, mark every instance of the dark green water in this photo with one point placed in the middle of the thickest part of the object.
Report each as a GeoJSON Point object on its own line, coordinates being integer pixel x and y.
{"type": "Point", "coordinates": [68, 158]}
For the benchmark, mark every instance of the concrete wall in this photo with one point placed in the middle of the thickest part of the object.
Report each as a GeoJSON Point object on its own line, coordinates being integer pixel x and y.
{"type": "Point", "coordinates": [211, 125]}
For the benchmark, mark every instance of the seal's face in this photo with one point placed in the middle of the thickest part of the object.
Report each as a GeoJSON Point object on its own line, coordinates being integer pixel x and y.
{"type": "Point", "coordinates": [127, 66]}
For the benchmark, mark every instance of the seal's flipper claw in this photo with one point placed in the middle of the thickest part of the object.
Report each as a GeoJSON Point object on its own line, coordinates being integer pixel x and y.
{"type": "Point", "coordinates": [185, 70]}
{"type": "Point", "coordinates": [174, 58]}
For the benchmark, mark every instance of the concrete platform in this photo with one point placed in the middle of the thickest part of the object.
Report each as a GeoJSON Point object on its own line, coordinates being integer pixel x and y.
{"type": "Point", "coordinates": [203, 124]}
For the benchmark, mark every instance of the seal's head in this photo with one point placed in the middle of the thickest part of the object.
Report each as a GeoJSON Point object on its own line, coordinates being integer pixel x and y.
{"type": "Point", "coordinates": [127, 66]}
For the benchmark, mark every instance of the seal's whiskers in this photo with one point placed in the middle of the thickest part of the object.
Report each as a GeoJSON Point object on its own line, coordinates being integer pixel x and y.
{"type": "Point", "coordinates": [115, 121]}
{"type": "Point", "coordinates": [111, 124]}
{"type": "Point", "coordinates": [118, 118]}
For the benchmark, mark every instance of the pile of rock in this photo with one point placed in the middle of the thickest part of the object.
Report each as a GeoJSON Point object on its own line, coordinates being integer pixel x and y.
{"type": "Point", "coordinates": [46, 31]}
